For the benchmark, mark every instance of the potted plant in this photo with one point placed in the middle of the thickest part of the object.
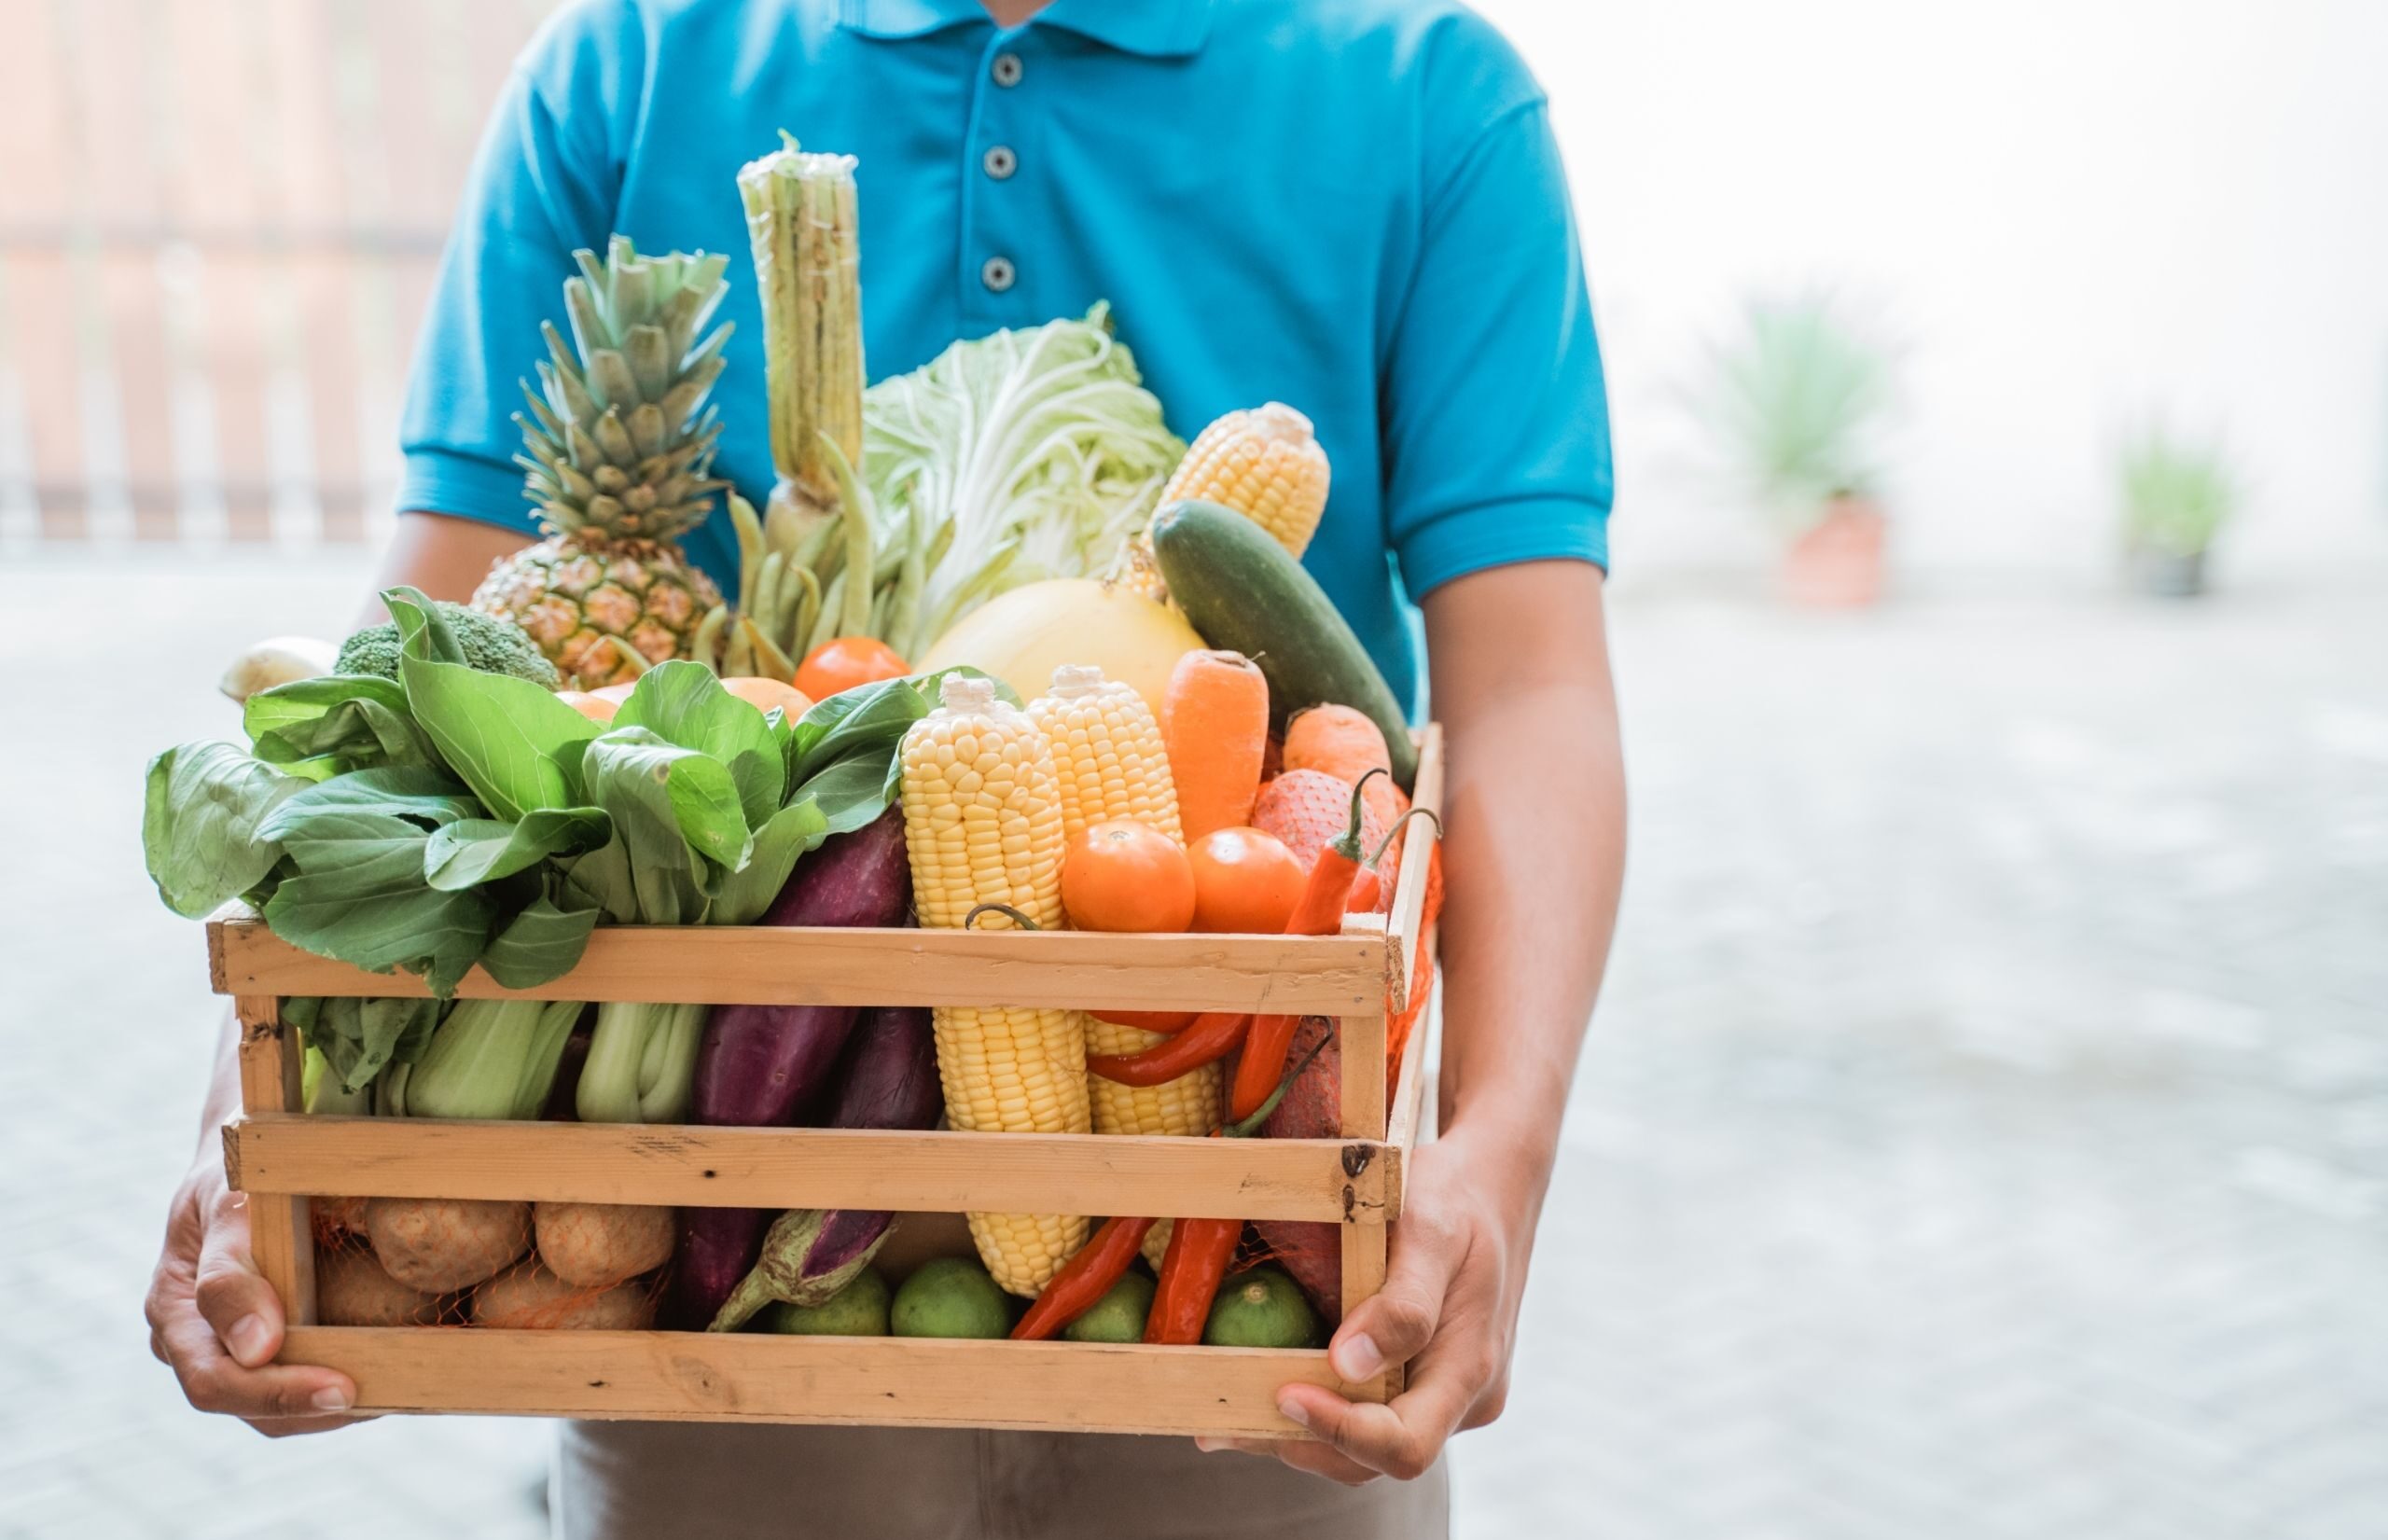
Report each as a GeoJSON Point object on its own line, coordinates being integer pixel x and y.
{"type": "Point", "coordinates": [1796, 405]}
{"type": "Point", "coordinates": [2176, 496]}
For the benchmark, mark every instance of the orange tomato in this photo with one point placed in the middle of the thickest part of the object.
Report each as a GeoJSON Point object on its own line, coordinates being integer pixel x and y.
{"type": "Point", "coordinates": [1244, 880]}
{"type": "Point", "coordinates": [597, 708]}
{"type": "Point", "coordinates": [616, 694]}
{"type": "Point", "coordinates": [844, 661]}
{"type": "Point", "coordinates": [763, 694]}
{"type": "Point", "coordinates": [1125, 876]}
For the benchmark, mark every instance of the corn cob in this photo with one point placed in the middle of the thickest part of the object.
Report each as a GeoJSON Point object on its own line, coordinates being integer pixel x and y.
{"type": "Point", "coordinates": [1265, 463]}
{"type": "Point", "coordinates": [1108, 751]}
{"type": "Point", "coordinates": [982, 819]}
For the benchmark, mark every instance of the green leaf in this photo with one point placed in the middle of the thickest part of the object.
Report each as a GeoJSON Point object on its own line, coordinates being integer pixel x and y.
{"type": "Point", "coordinates": [358, 1038]}
{"type": "Point", "coordinates": [683, 703]}
{"type": "Point", "coordinates": [359, 895]}
{"type": "Point", "coordinates": [778, 844]}
{"type": "Point", "coordinates": [650, 873]}
{"type": "Point", "coordinates": [417, 792]}
{"type": "Point", "coordinates": [203, 807]}
{"type": "Point", "coordinates": [356, 721]}
{"type": "Point", "coordinates": [542, 943]}
{"type": "Point", "coordinates": [853, 792]}
{"type": "Point", "coordinates": [869, 718]}
{"type": "Point", "coordinates": [479, 850]}
{"type": "Point", "coordinates": [508, 738]}
{"type": "Point", "coordinates": [698, 788]}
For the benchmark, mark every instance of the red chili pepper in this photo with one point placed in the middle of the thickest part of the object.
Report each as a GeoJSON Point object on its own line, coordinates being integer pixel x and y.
{"type": "Point", "coordinates": [1191, 1270]}
{"type": "Point", "coordinates": [1367, 887]}
{"type": "Point", "coordinates": [1213, 1036]}
{"type": "Point", "coordinates": [1319, 913]}
{"type": "Point", "coordinates": [1084, 1279]}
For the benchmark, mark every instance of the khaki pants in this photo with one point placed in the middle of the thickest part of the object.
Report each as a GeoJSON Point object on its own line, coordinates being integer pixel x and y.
{"type": "Point", "coordinates": [712, 1482]}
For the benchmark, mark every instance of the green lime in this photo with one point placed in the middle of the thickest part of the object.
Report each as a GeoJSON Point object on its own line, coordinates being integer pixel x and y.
{"type": "Point", "coordinates": [858, 1309]}
{"type": "Point", "coordinates": [951, 1297]}
{"type": "Point", "coordinates": [1119, 1316]}
{"type": "Point", "coordinates": [1261, 1309]}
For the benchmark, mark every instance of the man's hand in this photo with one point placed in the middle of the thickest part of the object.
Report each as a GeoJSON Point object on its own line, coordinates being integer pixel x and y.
{"type": "Point", "coordinates": [216, 1321]}
{"type": "Point", "coordinates": [1534, 803]}
{"type": "Point", "coordinates": [1449, 1308]}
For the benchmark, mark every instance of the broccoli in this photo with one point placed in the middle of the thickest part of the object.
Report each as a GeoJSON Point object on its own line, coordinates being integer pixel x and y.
{"type": "Point", "coordinates": [490, 645]}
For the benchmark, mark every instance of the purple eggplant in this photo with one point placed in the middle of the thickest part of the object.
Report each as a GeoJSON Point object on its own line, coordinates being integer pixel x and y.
{"type": "Point", "coordinates": [760, 1066]}
{"type": "Point", "coordinates": [889, 1081]}
{"type": "Point", "coordinates": [763, 1066]}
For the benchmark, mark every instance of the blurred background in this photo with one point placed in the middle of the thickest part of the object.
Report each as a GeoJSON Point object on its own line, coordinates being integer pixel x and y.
{"type": "Point", "coordinates": [1985, 1130]}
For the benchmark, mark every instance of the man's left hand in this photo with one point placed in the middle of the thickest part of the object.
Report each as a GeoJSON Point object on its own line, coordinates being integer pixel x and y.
{"type": "Point", "coordinates": [1449, 1308]}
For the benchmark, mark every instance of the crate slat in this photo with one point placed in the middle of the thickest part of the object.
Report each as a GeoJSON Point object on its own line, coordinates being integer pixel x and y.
{"type": "Point", "coordinates": [1409, 907]}
{"type": "Point", "coordinates": [1318, 1179]}
{"type": "Point", "coordinates": [880, 1380]}
{"type": "Point", "coordinates": [729, 965]}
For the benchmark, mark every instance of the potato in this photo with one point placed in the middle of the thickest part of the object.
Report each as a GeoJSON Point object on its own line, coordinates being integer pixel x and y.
{"type": "Point", "coordinates": [597, 1245]}
{"type": "Point", "coordinates": [338, 1215]}
{"type": "Point", "coordinates": [444, 1244]}
{"type": "Point", "coordinates": [531, 1298]}
{"type": "Point", "coordinates": [352, 1289]}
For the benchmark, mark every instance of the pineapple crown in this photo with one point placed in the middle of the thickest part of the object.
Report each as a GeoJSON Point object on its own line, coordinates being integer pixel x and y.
{"type": "Point", "coordinates": [620, 441]}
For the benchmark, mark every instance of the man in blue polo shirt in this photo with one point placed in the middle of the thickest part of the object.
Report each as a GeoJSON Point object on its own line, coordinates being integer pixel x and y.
{"type": "Point", "coordinates": [1355, 207]}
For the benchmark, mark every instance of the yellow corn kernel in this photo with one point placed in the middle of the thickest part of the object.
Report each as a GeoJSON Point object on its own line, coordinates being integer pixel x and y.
{"type": "Point", "coordinates": [1108, 752]}
{"type": "Point", "coordinates": [1265, 464]}
{"type": "Point", "coordinates": [982, 819]}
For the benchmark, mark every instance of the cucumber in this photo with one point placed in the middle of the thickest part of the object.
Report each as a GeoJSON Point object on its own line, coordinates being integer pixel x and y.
{"type": "Point", "coordinates": [1247, 593]}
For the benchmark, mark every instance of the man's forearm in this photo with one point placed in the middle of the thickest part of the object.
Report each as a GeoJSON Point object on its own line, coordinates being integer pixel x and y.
{"type": "Point", "coordinates": [1535, 804]}
{"type": "Point", "coordinates": [445, 557]}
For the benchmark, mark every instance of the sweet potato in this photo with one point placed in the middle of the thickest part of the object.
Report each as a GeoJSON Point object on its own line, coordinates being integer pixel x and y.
{"type": "Point", "coordinates": [1311, 1252]}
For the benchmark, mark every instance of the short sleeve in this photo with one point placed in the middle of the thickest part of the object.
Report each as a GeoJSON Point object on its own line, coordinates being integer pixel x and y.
{"type": "Point", "coordinates": [1495, 421]}
{"type": "Point", "coordinates": [544, 185]}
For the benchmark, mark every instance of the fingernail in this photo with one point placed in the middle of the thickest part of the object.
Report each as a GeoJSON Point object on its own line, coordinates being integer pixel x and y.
{"type": "Point", "coordinates": [1209, 1445]}
{"type": "Point", "coordinates": [1293, 1411]}
{"type": "Point", "coordinates": [331, 1398]}
{"type": "Point", "coordinates": [248, 1340]}
{"type": "Point", "coordinates": [1357, 1357]}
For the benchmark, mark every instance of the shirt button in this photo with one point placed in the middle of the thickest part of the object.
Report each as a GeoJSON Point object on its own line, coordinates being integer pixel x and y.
{"type": "Point", "coordinates": [997, 274]}
{"type": "Point", "coordinates": [1007, 70]}
{"type": "Point", "coordinates": [1000, 162]}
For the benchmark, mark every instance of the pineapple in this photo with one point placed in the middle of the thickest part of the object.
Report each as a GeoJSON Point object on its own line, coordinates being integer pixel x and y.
{"type": "Point", "coordinates": [619, 460]}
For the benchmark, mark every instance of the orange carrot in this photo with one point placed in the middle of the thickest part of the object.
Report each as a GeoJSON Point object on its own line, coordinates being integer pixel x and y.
{"type": "Point", "coordinates": [1347, 744]}
{"type": "Point", "coordinates": [1214, 723]}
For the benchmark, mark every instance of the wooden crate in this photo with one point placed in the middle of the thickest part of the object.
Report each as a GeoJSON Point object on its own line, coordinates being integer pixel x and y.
{"type": "Point", "coordinates": [281, 1157]}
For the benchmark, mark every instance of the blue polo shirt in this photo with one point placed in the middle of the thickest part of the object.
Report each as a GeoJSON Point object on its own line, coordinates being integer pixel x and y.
{"type": "Point", "coordinates": [1353, 206]}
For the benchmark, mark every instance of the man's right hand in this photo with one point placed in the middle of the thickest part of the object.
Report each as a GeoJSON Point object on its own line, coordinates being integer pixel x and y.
{"type": "Point", "coordinates": [216, 1322]}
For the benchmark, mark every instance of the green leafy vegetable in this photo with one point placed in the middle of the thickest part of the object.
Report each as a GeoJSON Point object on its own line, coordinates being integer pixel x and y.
{"type": "Point", "coordinates": [336, 723]}
{"type": "Point", "coordinates": [488, 1058]}
{"type": "Point", "coordinates": [357, 1038]}
{"type": "Point", "coordinates": [202, 807]}
{"type": "Point", "coordinates": [1020, 455]}
{"type": "Point", "coordinates": [506, 737]}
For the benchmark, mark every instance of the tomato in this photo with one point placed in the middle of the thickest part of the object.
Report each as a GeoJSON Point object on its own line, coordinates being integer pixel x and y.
{"type": "Point", "coordinates": [1125, 876]}
{"type": "Point", "coordinates": [843, 662]}
{"type": "Point", "coordinates": [1244, 880]}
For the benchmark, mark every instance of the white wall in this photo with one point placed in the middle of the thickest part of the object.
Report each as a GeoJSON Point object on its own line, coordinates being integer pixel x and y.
{"type": "Point", "coordinates": [2073, 213]}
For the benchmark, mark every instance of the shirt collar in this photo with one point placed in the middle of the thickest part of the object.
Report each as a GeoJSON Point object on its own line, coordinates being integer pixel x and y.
{"type": "Point", "coordinates": [1158, 29]}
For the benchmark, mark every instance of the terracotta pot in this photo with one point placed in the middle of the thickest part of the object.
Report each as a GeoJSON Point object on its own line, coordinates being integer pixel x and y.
{"type": "Point", "coordinates": [1836, 563]}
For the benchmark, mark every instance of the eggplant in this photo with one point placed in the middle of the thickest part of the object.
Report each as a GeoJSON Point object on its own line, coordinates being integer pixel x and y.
{"type": "Point", "coordinates": [759, 1066]}
{"type": "Point", "coordinates": [889, 1081]}
{"type": "Point", "coordinates": [763, 1066]}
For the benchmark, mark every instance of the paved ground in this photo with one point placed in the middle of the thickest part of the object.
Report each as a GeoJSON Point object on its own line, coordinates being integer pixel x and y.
{"type": "Point", "coordinates": [1986, 1134]}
